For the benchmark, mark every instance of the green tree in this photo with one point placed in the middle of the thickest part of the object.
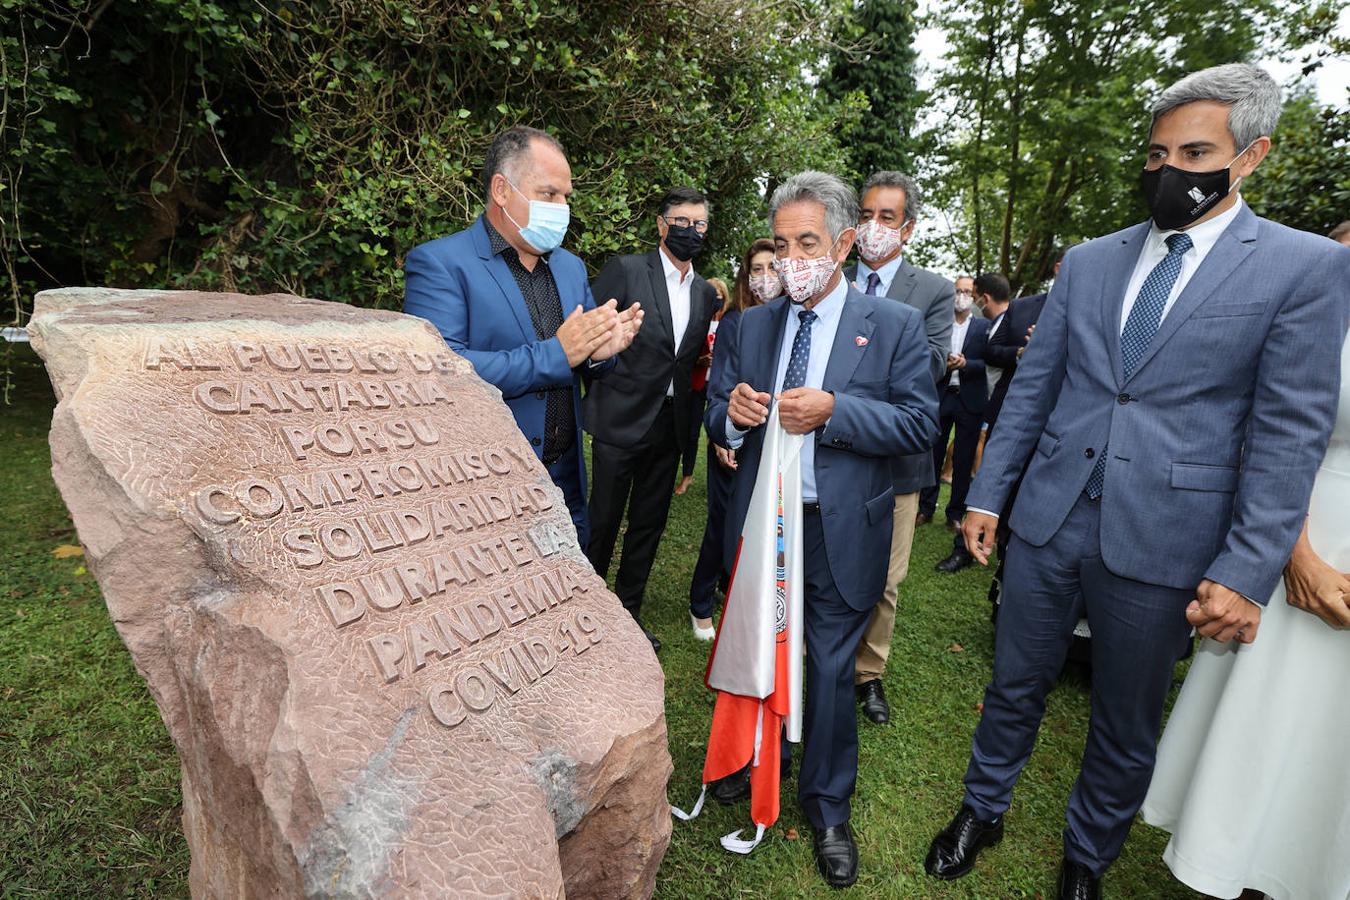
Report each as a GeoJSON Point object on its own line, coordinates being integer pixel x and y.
{"type": "Point", "coordinates": [1048, 110]}
{"type": "Point", "coordinates": [1305, 181]}
{"type": "Point", "coordinates": [872, 63]}
{"type": "Point", "coordinates": [306, 146]}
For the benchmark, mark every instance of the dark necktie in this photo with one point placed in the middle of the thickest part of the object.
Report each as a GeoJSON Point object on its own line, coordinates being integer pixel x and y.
{"type": "Point", "coordinates": [873, 282]}
{"type": "Point", "coordinates": [1142, 324]}
{"type": "Point", "coordinates": [795, 376]}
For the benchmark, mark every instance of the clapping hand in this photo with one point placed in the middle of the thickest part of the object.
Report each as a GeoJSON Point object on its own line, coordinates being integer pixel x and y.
{"type": "Point", "coordinates": [621, 335]}
{"type": "Point", "coordinates": [1313, 586]}
{"type": "Point", "coordinates": [1223, 614]}
{"type": "Point", "coordinates": [583, 333]}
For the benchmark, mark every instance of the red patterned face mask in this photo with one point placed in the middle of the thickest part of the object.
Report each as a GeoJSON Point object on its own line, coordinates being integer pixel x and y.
{"type": "Point", "coordinates": [804, 278]}
{"type": "Point", "coordinates": [877, 241]}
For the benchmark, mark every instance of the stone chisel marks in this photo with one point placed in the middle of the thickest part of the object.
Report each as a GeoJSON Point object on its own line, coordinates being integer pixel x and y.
{"type": "Point", "coordinates": [358, 602]}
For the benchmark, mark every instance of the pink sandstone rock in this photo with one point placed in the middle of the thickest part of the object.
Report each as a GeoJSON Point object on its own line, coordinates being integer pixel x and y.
{"type": "Point", "coordinates": [358, 601]}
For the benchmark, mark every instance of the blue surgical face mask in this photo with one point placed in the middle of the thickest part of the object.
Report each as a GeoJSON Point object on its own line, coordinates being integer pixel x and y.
{"type": "Point", "coordinates": [547, 225]}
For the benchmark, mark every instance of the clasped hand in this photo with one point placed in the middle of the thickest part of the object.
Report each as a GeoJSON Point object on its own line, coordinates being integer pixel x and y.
{"type": "Point", "coordinates": [1223, 614]}
{"type": "Point", "coordinates": [800, 410]}
{"type": "Point", "coordinates": [1313, 586]}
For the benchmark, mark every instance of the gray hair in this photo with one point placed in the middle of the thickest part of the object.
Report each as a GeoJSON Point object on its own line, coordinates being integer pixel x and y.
{"type": "Point", "coordinates": [507, 149]}
{"type": "Point", "coordinates": [1251, 95]}
{"type": "Point", "coordinates": [913, 197]}
{"type": "Point", "coordinates": [839, 200]}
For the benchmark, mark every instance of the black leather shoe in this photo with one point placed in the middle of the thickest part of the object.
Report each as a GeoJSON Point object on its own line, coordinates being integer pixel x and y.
{"type": "Point", "coordinates": [953, 851]}
{"type": "Point", "coordinates": [1076, 882]}
{"type": "Point", "coordinates": [873, 700]}
{"type": "Point", "coordinates": [837, 855]}
{"type": "Point", "coordinates": [733, 788]}
{"type": "Point", "coordinates": [656, 642]}
{"type": "Point", "coordinates": [956, 562]}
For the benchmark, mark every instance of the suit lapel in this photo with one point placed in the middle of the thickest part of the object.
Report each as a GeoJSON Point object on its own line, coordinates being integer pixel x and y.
{"type": "Point", "coordinates": [902, 285]}
{"type": "Point", "coordinates": [848, 351]}
{"type": "Point", "coordinates": [501, 273]}
{"type": "Point", "coordinates": [699, 290]}
{"type": "Point", "coordinates": [1115, 282]}
{"type": "Point", "coordinates": [1233, 246]}
{"type": "Point", "coordinates": [660, 297]}
{"type": "Point", "coordinates": [760, 357]}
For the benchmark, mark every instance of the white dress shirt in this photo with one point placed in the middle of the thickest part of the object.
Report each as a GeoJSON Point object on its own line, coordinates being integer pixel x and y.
{"type": "Point", "coordinates": [1203, 238]}
{"type": "Point", "coordinates": [823, 331]}
{"type": "Point", "coordinates": [677, 288]}
{"type": "Point", "coordinates": [959, 331]}
{"type": "Point", "coordinates": [886, 273]}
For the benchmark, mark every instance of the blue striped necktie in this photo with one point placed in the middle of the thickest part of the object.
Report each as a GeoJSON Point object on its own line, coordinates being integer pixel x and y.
{"type": "Point", "coordinates": [1141, 326]}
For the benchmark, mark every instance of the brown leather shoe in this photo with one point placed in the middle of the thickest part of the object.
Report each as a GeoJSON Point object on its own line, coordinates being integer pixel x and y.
{"type": "Point", "coordinates": [922, 519]}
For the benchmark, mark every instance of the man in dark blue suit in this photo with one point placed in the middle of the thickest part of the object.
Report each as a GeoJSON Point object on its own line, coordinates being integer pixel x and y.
{"type": "Point", "coordinates": [963, 392]}
{"type": "Point", "coordinates": [511, 301]}
{"type": "Point", "coordinates": [852, 372]}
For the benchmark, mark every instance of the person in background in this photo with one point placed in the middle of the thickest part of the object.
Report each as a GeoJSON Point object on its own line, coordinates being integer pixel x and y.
{"type": "Point", "coordinates": [1341, 233]}
{"type": "Point", "coordinates": [1008, 340]}
{"type": "Point", "coordinates": [506, 297]}
{"type": "Point", "coordinates": [637, 415]}
{"type": "Point", "coordinates": [963, 393]}
{"type": "Point", "coordinates": [756, 283]}
{"type": "Point", "coordinates": [698, 391]}
{"type": "Point", "coordinates": [889, 212]}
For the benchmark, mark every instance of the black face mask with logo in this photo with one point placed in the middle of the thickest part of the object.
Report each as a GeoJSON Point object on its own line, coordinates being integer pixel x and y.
{"type": "Point", "coordinates": [1176, 197]}
{"type": "Point", "coordinates": [684, 243]}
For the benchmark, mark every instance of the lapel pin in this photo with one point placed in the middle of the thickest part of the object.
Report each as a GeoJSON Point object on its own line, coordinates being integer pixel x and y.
{"type": "Point", "coordinates": [860, 341]}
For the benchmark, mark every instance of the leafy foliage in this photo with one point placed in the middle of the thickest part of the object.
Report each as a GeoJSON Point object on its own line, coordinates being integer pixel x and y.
{"type": "Point", "coordinates": [1305, 181]}
{"type": "Point", "coordinates": [307, 146]}
{"type": "Point", "coordinates": [1049, 108]}
{"type": "Point", "coordinates": [873, 62]}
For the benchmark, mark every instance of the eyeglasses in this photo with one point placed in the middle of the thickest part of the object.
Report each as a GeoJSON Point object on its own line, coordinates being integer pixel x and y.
{"type": "Point", "coordinates": [700, 225]}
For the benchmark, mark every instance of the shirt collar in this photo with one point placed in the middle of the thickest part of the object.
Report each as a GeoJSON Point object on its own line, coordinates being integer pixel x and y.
{"type": "Point", "coordinates": [886, 272]}
{"type": "Point", "coordinates": [1203, 236]}
{"type": "Point", "coordinates": [831, 305]}
{"type": "Point", "coordinates": [672, 273]}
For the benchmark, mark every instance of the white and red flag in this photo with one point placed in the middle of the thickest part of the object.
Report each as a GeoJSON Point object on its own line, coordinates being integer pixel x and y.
{"type": "Point", "coordinates": [756, 662]}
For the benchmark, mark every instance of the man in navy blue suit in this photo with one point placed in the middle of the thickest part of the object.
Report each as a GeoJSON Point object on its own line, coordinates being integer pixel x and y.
{"type": "Point", "coordinates": [511, 301]}
{"type": "Point", "coordinates": [851, 372]}
{"type": "Point", "coordinates": [962, 392]}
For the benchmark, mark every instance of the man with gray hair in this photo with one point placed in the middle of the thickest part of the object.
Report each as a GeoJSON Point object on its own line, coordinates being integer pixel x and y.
{"type": "Point", "coordinates": [851, 372]}
{"type": "Point", "coordinates": [890, 209]}
{"type": "Point", "coordinates": [1173, 425]}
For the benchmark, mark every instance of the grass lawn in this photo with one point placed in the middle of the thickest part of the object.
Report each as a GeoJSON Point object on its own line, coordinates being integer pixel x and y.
{"type": "Point", "coordinates": [89, 796]}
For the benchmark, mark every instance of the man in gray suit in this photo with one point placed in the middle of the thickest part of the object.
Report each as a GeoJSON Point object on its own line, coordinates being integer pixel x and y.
{"type": "Point", "coordinates": [1175, 404]}
{"type": "Point", "coordinates": [890, 207]}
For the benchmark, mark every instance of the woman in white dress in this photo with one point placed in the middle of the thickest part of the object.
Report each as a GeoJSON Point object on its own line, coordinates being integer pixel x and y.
{"type": "Point", "coordinates": [1253, 772]}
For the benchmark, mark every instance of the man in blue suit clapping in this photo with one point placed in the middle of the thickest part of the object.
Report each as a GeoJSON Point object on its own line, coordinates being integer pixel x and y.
{"type": "Point", "coordinates": [511, 301]}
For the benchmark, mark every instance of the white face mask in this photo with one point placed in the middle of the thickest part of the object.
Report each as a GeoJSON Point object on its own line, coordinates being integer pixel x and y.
{"type": "Point", "coordinates": [766, 287]}
{"type": "Point", "coordinates": [877, 241]}
{"type": "Point", "coordinates": [964, 302]}
{"type": "Point", "coordinates": [804, 278]}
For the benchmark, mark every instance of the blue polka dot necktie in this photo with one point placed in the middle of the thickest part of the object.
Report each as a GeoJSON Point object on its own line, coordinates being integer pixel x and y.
{"type": "Point", "coordinates": [873, 282]}
{"type": "Point", "coordinates": [801, 352]}
{"type": "Point", "coordinates": [1142, 324]}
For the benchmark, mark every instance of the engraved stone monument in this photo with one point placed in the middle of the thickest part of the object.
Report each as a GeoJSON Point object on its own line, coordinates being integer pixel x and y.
{"type": "Point", "coordinates": [358, 601]}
